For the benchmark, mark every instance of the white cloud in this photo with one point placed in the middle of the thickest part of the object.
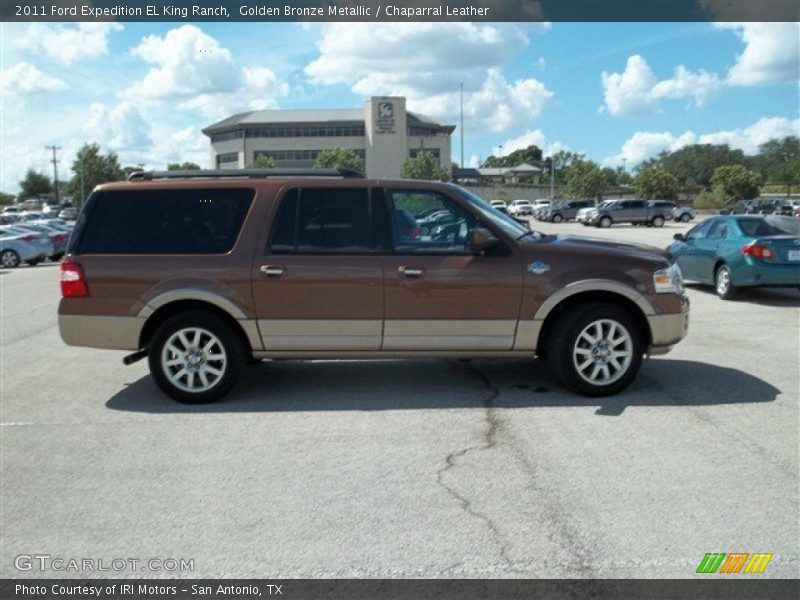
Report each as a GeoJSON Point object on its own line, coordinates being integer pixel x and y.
{"type": "Point", "coordinates": [646, 144]}
{"type": "Point", "coordinates": [637, 91]}
{"type": "Point", "coordinates": [122, 128]}
{"type": "Point", "coordinates": [194, 70]}
{"type": "Point", "coordinates": [532, 138]}
{"type": "Point", "coordinates": [750, 138]}
{"type": "Point", "coordinates": [497, 106]}
{"type": "Point", "coordinates": [427, 62]}
{"type": "Point", "coordinates": [67, 43]}
{"type": "Point", "coordinates": [771, 53]}
{"type": "Point", "coordinates": [24, 78]}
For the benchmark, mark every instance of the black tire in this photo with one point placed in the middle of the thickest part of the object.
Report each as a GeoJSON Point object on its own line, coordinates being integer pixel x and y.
{"type": "Point", "coordinates": [9, 259]}
{"type": "Point", "coordinates": [604, 222]}
{"type": "Point", "coordinates": [57, 257]}
{"type": "Point", "coordinates": [233, 350]}
{"type": "Point", "coordinates": [562, 344]}
{"type": "Point", "coordinates": [34, 262]}
{"type": "Point", "coordinates": [725, 291]}
{"type": "Point", "coordinates": [685, 218]}
{"type": "Point", "coordinates": [557, 218]}
{"type": "Point", "coordinates": [658, 221]}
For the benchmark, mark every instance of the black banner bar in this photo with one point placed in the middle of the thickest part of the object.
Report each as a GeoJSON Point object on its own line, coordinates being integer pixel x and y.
{"type": "Point", "coordinates": [400, 10]}
{"type": "Point", "coordinates": [744, 587]}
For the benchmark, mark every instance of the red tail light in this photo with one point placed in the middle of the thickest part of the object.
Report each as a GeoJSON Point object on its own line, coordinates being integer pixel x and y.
{"type": "Point", "coordinates": [58, 238]}
{"type": "Point", "coordinates": [29, 238]}
{"type": "Point", "coordinates": [415, 233]}
{"type": "Point", "coordinates": [758, 251]}
{"type": "Point", "coordinates": [73, 283]}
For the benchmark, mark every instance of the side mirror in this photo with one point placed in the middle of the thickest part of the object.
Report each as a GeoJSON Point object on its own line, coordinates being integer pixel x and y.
{"type": "Point", "coordinates": [679, 237]}
{"type": "Point", "coordinates": [481, 240]}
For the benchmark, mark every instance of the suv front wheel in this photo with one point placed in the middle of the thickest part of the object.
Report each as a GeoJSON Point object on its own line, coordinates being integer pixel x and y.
{"type": "Point", "coordinates": [596, 350]}
{"type": "Point", "coordinates": [195, 357]}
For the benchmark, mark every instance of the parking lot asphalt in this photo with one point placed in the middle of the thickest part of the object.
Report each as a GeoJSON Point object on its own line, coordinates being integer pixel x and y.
{"type": "Point", "coordinates": [406, 468]}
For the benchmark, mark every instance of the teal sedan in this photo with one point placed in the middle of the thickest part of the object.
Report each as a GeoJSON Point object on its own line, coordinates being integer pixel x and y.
{"type": "Point", "coordinates": [735, 251]}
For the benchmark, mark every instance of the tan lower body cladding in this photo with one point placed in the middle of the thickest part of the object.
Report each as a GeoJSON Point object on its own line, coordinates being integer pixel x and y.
{"type": "Point", "coordinates": [404, 335]}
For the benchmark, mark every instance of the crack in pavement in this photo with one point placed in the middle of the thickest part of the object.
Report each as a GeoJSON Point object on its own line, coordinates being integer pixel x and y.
{"type": "Point", "coordinates": [562, 533]}
{"type": "Point", "coordinates": [489, 442]}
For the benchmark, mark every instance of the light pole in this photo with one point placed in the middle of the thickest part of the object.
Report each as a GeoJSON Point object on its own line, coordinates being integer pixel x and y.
{"type": "Point", "coordinates": [461, 126]}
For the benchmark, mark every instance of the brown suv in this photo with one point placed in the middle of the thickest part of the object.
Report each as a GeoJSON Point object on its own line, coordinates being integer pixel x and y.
{"type": "Point", "coordinates": [203, 271]}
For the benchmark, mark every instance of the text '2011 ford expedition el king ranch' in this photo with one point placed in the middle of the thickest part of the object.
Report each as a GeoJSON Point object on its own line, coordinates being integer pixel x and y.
{"type": "Point", "coordinates": [202, 271]}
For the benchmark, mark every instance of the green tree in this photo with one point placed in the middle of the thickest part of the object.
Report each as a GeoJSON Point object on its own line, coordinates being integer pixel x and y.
{"type": "Point", "coordinates": [610, 177]}
{"type": "Point", "coordinates": [774, 155]}
{"type": "Point", "coordinates": [34, 185]}
{"type": "Point", "coordinates": [561, 160]}
{"type": "Point", "coordinates": [6, 199]}
{"type": "Point", "coordinates": [262, 161]}
{"type": "Point", "coordinates": [736, 182]}
{"type": "Point", "coordinates": [788, 174]}
{"type": "Point", "coordinates": [583, 179]}
{"type": "Point", "coordinates": [184, 166]}
{"type": "Point", "coordinates": [531, 155]}
{"type": "Point", "coordinates": [339, 158]}
{"type": "Point", "coordinates": [424, 166]}
{"type": "Point", "coordinates": [91, 168]}
{"type": "Point", "coordinates": [695, 165]}
{"type": "Point", "coordinates": [655, 183]}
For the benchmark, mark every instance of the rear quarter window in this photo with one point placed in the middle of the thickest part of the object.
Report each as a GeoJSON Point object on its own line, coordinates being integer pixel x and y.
{"type": "Point", "coordinates": [191, 221]}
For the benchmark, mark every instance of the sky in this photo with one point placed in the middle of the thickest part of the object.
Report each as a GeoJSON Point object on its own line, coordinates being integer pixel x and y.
{"type": "Point", "coordinates": [617, 92]}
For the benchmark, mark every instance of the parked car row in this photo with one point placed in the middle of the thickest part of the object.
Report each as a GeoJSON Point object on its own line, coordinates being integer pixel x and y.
{"type": "Point", "coordinates": [65, 212]}
{"type": "Point", "coordinates": [32, 240]}
{"type": "Point", "coordinates": [653, 213]}
{"type": "Point", "coordinates": [637, 212]}
{"type": "Point", "coordinates": [787, 207]}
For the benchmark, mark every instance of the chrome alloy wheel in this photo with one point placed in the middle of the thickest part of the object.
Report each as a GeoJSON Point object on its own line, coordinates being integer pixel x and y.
{"type": "Point", "coordinates": [193, 359]}
{"type": "Point", "coordinates": [603, 352]}
{"type": "Point", "coordinates": [723, 281]}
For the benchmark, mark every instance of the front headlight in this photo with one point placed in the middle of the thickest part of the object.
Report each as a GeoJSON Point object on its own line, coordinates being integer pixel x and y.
{"type": "Point", "coordinates": [669, 280]}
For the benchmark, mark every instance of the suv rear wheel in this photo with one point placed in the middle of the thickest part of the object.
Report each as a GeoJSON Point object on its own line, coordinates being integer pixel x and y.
{"type": "Point", "coordinates": [195, 357]}
{"type": "Point", "coordinates": [596, 350]}
{"type": "Point", "coordinates": [605, 222]}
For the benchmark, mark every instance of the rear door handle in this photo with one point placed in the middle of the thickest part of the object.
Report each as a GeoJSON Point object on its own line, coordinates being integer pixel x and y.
{"type": "Point", "coordinates": [272, 271]}
{"type": "Point", "coordinates": [410, 272]}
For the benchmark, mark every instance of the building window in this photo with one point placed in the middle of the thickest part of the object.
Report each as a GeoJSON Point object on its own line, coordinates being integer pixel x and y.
{"type": "Point", "coordinates": [293, 131]}
{"type": "Point", "coordinates": [227, 135]}
{"type": "Point", "coordinates": [414, 152]}
{"type": "Point", "coordinates": [227, 158]}
{"type": "Point", "coordinates": [308, 155]}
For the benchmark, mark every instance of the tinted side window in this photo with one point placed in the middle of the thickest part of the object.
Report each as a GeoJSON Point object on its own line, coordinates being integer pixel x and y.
{"type": "Point", "coordinates": [696, 232]}
{"type": "Point", "coordinates": [635, 204]}
{"type": "Point", "coordinates": [425, 221]}
{"type": "Point", "coordinates": [283, 230]}
{"type": "Point", "coordinates": [313, 220]}
{"type": "Point", "coordinates": [193, 221]}
{"type": "Point", "coordinates": [718, 230]}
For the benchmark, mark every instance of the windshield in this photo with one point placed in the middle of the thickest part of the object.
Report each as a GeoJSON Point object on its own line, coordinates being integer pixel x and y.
{"type": "Point", "coordinates": [507, 224]}
{"type": "Point", "coordinates": [770, 225]}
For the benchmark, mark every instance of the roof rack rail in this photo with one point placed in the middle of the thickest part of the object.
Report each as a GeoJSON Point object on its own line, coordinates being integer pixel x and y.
{"type": "Point", "coordinates": [249, 173]}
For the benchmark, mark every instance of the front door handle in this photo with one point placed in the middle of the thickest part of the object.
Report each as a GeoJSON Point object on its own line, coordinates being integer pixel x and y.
{"type": "Point", "coordinates": [409, 272]}
{"type": "Point", "coordinates": [272, 271]}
